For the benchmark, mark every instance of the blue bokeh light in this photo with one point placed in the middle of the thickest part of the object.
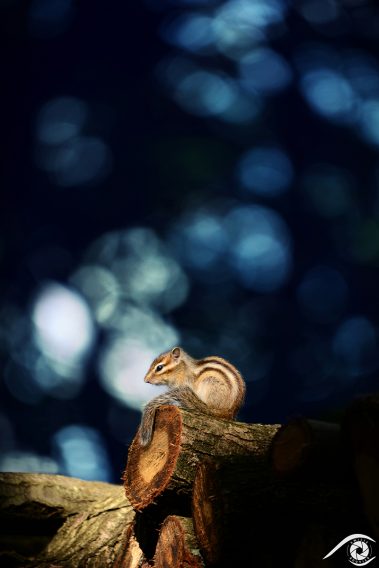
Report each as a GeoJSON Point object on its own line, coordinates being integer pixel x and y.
{"type": "Point", "coordinates": [64, 332]}
{"type": "Point", "coordinates": [27, 462]}
{"type": "Point", "coordinates": [369, 120]}
{"type": "Point", "coordinates": [265, 171]}
{"type": "Point", "coordinates": [101, 289]}
{"type": "Point", "coordinates": [82, 160]}
{"type": "Point", "coordinates": [62, 323]}
{"type": "Point", "coordinates": [60, 119]}
{"type": "Point", "coordinates": [240, 25]}
{"type": "Point", "coordinates": [143, 269]}
{"type": "Point", "coordinates": [264, 71]}
{"type": "Point", "coordinates": [200, 240]}
{"type": "Point", "coordinates": [260, 252]}
{"type": "Point", "coordinates": [137, 337]}
{"type": "Point", "coordinates": [192, 32]}
{"type": "Point", "coordinates": [68, 156]}
{"type": "Point", "coordinates": [330, 94]}
{"type": "Point", "coordinates": [248, 243]}
{"type": "Point", "coordinates": [206, 93]}
{"type": "Point", "coordinates": [80, 453]}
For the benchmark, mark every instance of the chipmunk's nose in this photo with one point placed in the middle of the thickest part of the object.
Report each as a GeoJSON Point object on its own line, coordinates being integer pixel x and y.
{"type": "Point", "coordinates": [146, 379]}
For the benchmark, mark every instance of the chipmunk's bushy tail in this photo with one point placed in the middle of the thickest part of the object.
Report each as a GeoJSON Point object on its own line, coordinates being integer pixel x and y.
{"type": "Point", "coordinates": [184, 397]}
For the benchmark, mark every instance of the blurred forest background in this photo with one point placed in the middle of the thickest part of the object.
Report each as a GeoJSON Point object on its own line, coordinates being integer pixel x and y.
{"type": "Point", "coordinates": [193, 172]}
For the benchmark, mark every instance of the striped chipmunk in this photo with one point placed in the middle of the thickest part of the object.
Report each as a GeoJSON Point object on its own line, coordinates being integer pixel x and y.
{"type": "Point", "coordinates": [211, 385]}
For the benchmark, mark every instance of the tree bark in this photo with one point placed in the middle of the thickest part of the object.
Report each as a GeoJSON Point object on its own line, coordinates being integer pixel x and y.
{"type": "Point", "coordinates": [52, 520]}
{"type": "Point", "coordinates": [239, 507]}
{"type": "Point", "coordinates": [177, 545]}
{"type": "Point", "coordinates": [131, 555]}
{"type": "Point", "coordinates": [308, 447]}
{"type": "Point", "coordinates": [181, 440]}
{"type": "Point", "coordinates": [231, 512]}
{"type": "Point", "coordinates": [148, 522]}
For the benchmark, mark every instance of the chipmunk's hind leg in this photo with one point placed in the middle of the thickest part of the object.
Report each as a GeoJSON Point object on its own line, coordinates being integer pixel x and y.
{"type": "Point", "coordinates": [214, 392]}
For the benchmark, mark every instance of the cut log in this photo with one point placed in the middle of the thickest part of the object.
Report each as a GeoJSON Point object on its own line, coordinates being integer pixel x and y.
{"type": "Point", "coordinates": [52, 520]}
{"type": "Point", "coordinates": [148, 522]}
{"type": "Point", "coordinates": [181, 440]}
{"type": "Point", "coordinates": [361, 431]}
{"type": "Point", "coordinates": [231, 514]}
{"type": "Point", "coordinates": [177, 545]}
{"type": "Point", "coordinates": [131, 554]}
{"type": "Point", "coordinates": [308, 447]}
{"type": "Point", "coordinates": [242, 501]}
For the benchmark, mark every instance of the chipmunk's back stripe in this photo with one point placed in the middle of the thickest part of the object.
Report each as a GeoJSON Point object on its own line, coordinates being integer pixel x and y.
{"type": "Point", "coordinates": [219, 361]}
{"type": "Point", "coordinates": [213, 368]}
{"type": "Point", "coordinates": [223, 363]}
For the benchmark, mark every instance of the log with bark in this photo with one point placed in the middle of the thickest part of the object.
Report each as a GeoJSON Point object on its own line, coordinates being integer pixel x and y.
{"type": "Point", "coordinates": [241, 500]}
{"type": "Point", "coordinates": [147, 523]}
{"type": "Point", "coordinates": [240, 510]}
{"type": "Point", "coordinates": [52, 520]}
{"type": "Point", "coordinates": [177, 545]}
{"type": "Point", "coordinates": [130, 554]}
{"type": "Point", "coordinates": [181, 440]}
{"type": "Point", "coordinates": [310, 448]}
{"type": "Point", "coordinates": [242, 494]}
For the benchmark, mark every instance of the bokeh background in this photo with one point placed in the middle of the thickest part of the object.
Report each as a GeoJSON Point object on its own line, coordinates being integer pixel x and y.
{"type": "Point", "coordinates": [193, 172]}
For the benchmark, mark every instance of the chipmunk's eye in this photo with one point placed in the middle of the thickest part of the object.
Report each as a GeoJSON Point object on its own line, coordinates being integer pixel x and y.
{"type": "Point", "coordinates": [158, 368]}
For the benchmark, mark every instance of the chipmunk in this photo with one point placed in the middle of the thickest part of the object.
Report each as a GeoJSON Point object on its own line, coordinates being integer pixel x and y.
{"type": "Point", "coordinates": [211, 385]}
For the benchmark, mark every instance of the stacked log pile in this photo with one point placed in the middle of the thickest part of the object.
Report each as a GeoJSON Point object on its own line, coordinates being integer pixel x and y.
{"type": "Point", "coordinates": [217, 493]}
{"type": "Point", "coordinates": [207, 493]}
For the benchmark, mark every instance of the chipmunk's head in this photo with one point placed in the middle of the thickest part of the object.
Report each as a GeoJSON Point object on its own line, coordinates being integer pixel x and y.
{"type": "Point", "coordinates": [167, 369]}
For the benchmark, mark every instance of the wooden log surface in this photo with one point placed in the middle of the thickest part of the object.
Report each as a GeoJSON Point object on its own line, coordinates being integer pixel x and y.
{"type": "Point", "coordinates": [231, 511]}
{"type": "Point", "coordinates": [53, 520]}
{"type": "Point", "coordinates": [147, 523]}
{"type": "Point", "coordinates": [181, 440]}
{"type": "Point", "coordinates": [177, 545]}
{"type": "Point", "coordinates": [242, 500]}
{"type": "Point", "coordinates": [308, 447]}
{"type": "Point", "coordinates": [131, 554]}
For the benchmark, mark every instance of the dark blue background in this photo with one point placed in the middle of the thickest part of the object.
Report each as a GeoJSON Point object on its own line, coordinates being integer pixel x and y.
{"type": "Point", "coordinates": [315, 349]}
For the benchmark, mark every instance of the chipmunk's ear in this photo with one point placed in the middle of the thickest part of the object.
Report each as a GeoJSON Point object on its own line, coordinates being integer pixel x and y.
{"type": "Point", "coordinates": [176, 352]}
